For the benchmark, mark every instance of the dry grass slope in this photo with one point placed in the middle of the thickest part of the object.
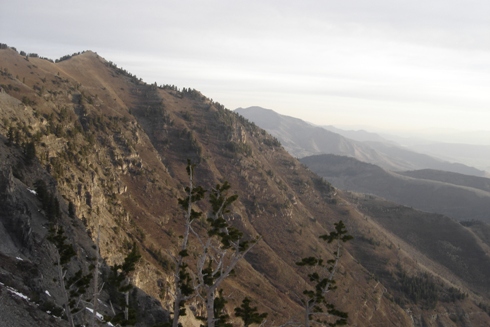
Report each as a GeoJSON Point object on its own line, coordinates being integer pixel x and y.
{"type": "Point", "coordinates": [118, 147]}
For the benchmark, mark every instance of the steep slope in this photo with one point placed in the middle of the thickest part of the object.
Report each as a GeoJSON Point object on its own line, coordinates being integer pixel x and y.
{"type": "Point", "coordinates": [116, 149]}
{"type": "Point", "coordinates": [456, 251]}
{"type": "Point", "coordinates": [29, 289]}
{"type": "Point", "coordinates": [463, 200]}
{"type": "Point", "coordinates": [302, 139]}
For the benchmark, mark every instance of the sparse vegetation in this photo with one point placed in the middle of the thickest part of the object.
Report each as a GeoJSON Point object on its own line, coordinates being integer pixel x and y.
{"type": "Point", "coordinates": [220, 251]}
{"type": "Point", "coordinates": [317, 309]}
{"type": "Point", "coordinates": [120, 280]}
{"type": "Point", "coordinates": [419, 289]}
{"type": "Point", "coordinates": [73, 288]}
{"type": "Point", "coordinates": [117, 152]}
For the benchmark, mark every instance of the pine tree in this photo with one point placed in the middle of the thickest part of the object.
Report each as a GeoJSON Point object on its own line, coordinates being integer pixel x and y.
{"type": "Point", "coordinates": [71, 210]}
{"type": "Point", "coordinates": [30, 152]}
{"type": "Point", "coordinates": [120, 278]}
{"type": "Point", "coordinates": [184, 289]}
{"type": "Point", "coordinates": [317, 308]}
{"type": "Point", "coordinates": [10, 136]}
{"type": "Point", "coordinates": [248, 314]}
{"type": "Point", "coordinates": [221, 248]}
{"type": "Point", "coordinates": [74, 287]}
{"type": "Point", "coordinates": [221, 318]}
{"type": "Point", "coordinates": [224, 247]}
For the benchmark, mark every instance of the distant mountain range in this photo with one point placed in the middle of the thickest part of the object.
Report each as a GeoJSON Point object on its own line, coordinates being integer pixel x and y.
{"type": "Point", "coordinates": [449, 147]}
{"type": "Point", "coordinates": [303, 139]}
{"type": "Point", "coordinates": [455, 195]}
{"type": "Point", "coordinates": [358, 135]}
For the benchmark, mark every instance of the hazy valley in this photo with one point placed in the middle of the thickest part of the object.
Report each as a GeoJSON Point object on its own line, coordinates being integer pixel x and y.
{"type": "Point", "coordinates": [303, 139]}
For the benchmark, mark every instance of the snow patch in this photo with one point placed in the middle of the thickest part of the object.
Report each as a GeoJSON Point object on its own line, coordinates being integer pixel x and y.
{"type": "Point", "coordinates": [19, 258]}
{"type": "Point", "coordinates": [47, 293]}
{"type": "Point", "coordinates": [17, 293]}
{"type": "Point", "coordinates": [32, 191]}
{"type": "Point", "coordinates": [99, 316]}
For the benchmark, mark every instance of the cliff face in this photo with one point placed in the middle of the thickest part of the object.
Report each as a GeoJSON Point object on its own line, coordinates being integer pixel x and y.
{"type": "Point", "coordinates": [30, 294]}
{"type": "Point", "coordinates": [114, 150]}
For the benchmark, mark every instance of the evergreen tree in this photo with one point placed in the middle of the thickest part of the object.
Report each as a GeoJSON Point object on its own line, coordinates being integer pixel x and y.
{"type": "Point", "coordinates": [120, 278]}
{"type": "Point", "coordinates": [74, 287]}
{"type": "Point", "coordinates": [221, 247]}
{"type": "Point", "coordinates": [50, 203]}
{"type": "Point", "coordinates": [317, 308]}
{"type": "Point", "coordinates": [184, 289]}
{"type": "Point", "coordinates": [221, 318]}
{"type": "Point", "coordinates": [11, 136]}
{"type": "Point", "coordinates": [30, 152]}
{"type": "Point", "coordinates": [71, 210]}
{"type": "Point", "coordinates": [248, 314]}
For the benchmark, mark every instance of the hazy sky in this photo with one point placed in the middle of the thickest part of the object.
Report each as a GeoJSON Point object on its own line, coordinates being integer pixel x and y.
{"type": "Point", "coordinates": [387, 63]}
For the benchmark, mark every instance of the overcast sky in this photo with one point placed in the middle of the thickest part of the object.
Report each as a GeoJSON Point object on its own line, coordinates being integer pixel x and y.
{"type": "Point", "coordinates": [388, 63]}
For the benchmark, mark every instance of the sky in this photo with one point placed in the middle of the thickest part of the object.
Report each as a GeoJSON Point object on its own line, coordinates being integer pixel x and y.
{"type": "Point", "coordinates": [386, 64]}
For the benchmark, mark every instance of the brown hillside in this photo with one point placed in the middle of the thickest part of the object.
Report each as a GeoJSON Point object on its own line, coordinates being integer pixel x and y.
{"type": "Point", "coordinates": [117, 149]}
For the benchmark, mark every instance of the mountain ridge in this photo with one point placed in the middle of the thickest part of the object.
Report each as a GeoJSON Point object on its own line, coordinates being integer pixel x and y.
{"type": "Point", "coordinates": [116, 148]}
{"type": "Point", "coordinates": [303, 139]}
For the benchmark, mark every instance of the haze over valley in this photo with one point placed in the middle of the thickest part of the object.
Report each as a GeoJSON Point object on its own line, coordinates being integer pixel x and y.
{"type": "Point", "coordinates": [302, 138]}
